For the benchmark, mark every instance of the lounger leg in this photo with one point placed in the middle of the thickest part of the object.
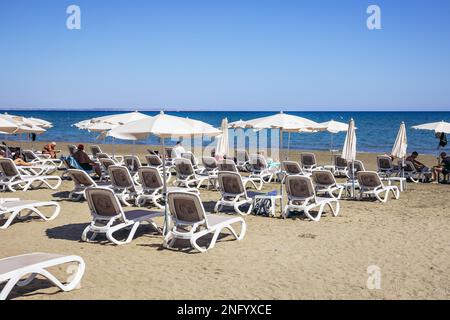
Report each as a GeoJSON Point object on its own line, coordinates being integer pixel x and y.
{"type": "Point", "coordinates": [218, 206]}
{"type": "Point", "coordinates": [8, 287]}
{"type": "Point", "coordinates": [109, 233]}
{"type": "Point", "coordinates": [319, 214]}
{"type": "Point", "coordinates": [243, 230]}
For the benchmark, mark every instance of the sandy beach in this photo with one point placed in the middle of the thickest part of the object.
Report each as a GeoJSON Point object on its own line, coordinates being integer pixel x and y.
{"type": "Point", "coordinates": [408, 239]}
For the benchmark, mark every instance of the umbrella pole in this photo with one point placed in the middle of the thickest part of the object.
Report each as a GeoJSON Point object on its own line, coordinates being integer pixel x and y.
{"type": "Point", "coordinates": [113, 141]}
{"type": "Point", "coordinates": [166, 216]}
{"type": "Point", "coordinates": [281, 180]}
{"type": "Point", "coordinates": [289, 145]}
{"type": "Point", "coordinates": [331, 149]}
{"type": "Point", "coordinates": [353, 179]}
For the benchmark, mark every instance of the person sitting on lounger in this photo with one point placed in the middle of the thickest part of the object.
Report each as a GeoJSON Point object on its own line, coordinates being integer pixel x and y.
{"type": "Point", "coordinates": [420, 167]}
{"type": "Point", "coordinates": [50, 149]}
{"type": "Point", "coordinates": [18, 161]}
{"type": "Point", "coordinates": [443, 167]}
{"type": "Point", "coordinates": [85, 162]}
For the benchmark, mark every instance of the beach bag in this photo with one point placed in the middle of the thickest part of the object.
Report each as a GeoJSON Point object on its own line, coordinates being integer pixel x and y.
{"type": "Point", "coordinates": [263, 207]}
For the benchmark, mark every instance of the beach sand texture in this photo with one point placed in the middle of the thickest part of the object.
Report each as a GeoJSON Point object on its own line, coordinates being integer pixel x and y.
{"type": "Point", "coordinates": [408, 239]}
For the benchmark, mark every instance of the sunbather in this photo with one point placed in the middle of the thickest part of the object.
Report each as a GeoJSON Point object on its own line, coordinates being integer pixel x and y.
{"type": "Point", "coordinates": [50, 149]}
{"type": "Point", "coordinates": [443, 167]}
{"type": "Point", "coordinates": [85, 162]}
{"type": "Point", "coordinates": [420, 167]}
{"type": "Point", "coordinates": [17, 161]}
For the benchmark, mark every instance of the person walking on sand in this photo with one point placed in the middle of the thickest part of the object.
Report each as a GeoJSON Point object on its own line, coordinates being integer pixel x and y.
{"type": "Point", "coordinates": [85, 162]}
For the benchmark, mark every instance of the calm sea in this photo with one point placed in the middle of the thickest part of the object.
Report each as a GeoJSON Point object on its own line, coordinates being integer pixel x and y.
{"type": "Point", "coordinates": [376, 130]}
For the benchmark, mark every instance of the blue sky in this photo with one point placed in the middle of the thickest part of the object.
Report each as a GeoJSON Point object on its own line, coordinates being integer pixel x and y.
{"type": "Point", "coordinates": [220, 54]}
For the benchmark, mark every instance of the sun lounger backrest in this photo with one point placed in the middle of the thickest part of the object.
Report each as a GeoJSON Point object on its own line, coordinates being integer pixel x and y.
{"type": "Point", "coordinates": [150, 178]}
{"type": "Point", "coordinates": [368, 179]}
{"type": "Point", "coordinates": [81, 178]}
{"type": "Point", "coordinates": [153, 160]}
{"type": "Point", "coordinates": [409, 166]}
{"type": "Point", "coordinates": [241, 156]}
{"type": "Point", "coordinates": [132, 163]}
{"type": "Point", "coordinates": [103, 202]}
{"type": "Point", "coordinates": [227, 165]}
{"type": "Point", "coordinates": [258, 162]}
{"type": "Point", "coordinates": [358, 165]}
{"type": "Point", "coordinates": [8, 168]}
{"type": "Point", "coordinates": [384, 163]}
{"type": "Point", "coordinates": [95, 150]}
{"type": "Point", "coordinates": [323, 177]}
{"type": "Point", "coordinates": [120, 177]}
{"type": "Point", "coordinates": [291, 167]}
{"type": "Point", "coordinates": [340, 162]}
{"type": "Point", "coordinates": [184, 167]}
{"type": "Point", "coordinates": [185, 206]}
{"type": "Point", "coordinates": [29, 155]}
{"type": "Point", "coordinates": [299, 187]}
{"type": "Point", "coordinates": [231, 182]}
{"type": "Point", "coordinates": [102, 155]}
{"type": "Point", "coordinates": [190, 156]}
{"type": "Point", "coordinates": [308, 159]}
{"type": "Point", "coordinates": [106, 162]}
{"type": "Point", "coordinates": [209, 163]}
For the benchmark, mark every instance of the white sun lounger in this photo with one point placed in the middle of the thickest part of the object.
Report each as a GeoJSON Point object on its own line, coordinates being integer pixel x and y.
{"type": "Point", "coordinates": [324, 182]}
{"type": "Point", "coordinates": [108, 216]}
{"type": "Point", "coordinates": [13, 180]}
{"type": "Point", "coordinates": [82, 180]}
{"type": "Point", "coordinates": [187, 176]}
{"type": "Point", "coordinates": [153, 187]}
{"type": "Point", "coordinates": [302, 198]}
{"type": "Point", "coordinates": [230, 166]}
{"type": "Point", "coordinates": [123, 185]}
{"type": "Point", "coordinates": [11, 209]}
{"type": "Point", "coordinates": [14, 269]}
{"type": "Point", "coordinates": [41, 159]}
{"type": "Point", "coordinates": [260, 168]}
{"type": "Point", "coordinates": [191, 222]}
{"type": "Point", "coordinates": [371, 185]}
{"type": "Point", "coordinates": [233, 193]}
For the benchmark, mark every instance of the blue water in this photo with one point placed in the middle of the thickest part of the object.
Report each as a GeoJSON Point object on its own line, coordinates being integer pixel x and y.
{"type": "Point", "coordinates": [376, 130]}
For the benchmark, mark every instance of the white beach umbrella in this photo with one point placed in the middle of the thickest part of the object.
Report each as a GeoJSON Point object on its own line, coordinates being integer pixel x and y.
{"type": "Point", "coordinates": [22, 123]}
{"type": "Point", "coordinates": [284, 122]}
{"type": "Point", "coordinates": [401, 145]}
{"type": "Point", "coordinates": [223, 146]}
{"type": "Point", "coordinates": [440, 126]}
{"type": "Point", "coordinates": [108, 122]}
{"type": "Point", "coordinates": [349, 149]}
{"type": "Point", "coordinates": [163, 126]}
{"type": "Point", "coordinates": [334, 127]}
{"type": "Point", "coordinates": [7, 126]}
{"type": "Point", "coordinates": [40, 122]}
{"type": "Point", "coordinates": [240, 124]}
